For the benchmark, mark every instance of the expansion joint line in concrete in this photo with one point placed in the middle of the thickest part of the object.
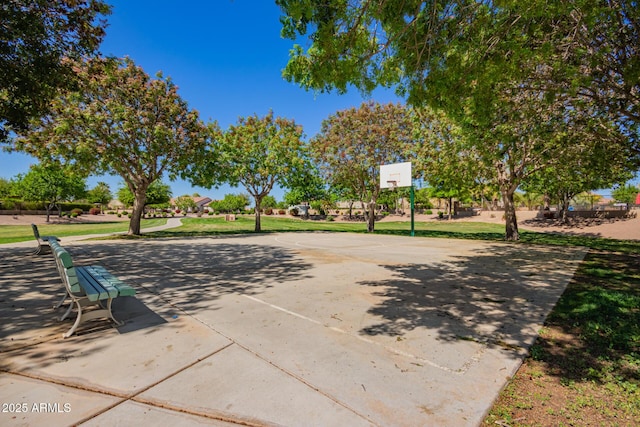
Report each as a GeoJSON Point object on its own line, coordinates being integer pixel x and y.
{"type": "Point", "coordinates": [123, 397]}
{"type": "Point", "coordinates": [288, 373]}
{"type": "Point", "coordinates": [233, 341]}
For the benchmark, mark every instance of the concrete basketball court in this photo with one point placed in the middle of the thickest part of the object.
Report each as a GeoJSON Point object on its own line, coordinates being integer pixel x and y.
{"type": "Point", "coordinates": [325, 329]}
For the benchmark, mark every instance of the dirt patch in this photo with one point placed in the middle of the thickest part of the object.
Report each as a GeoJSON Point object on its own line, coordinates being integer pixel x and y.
{"type": "Point", "coordinates": [583, 369]}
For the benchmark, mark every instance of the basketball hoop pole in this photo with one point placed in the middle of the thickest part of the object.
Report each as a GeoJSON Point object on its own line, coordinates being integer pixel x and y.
{"type": "Point", "coordinates": [412, 198]}
{"type": "Point", "coordinates": [399, 175]}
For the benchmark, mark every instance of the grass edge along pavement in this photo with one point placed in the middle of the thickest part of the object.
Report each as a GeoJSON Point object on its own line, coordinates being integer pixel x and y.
{"type": "Point", "coordinates": [584, 369]}
{"type": "Point", "coordinates": [23, 233]}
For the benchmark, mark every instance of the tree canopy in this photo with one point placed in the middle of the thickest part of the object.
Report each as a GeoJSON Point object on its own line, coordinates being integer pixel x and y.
{"type": "Point", "coordinates": [37, 41]}
{"type": "Point", "coordinates": [626, 194]}
{"type": "Point", "coordinates": [522, 79]}
{"type": "Point", "coordinates": [158, 193]}
{"type": "Point", "coordinates": [51, 183]}
{"type": "Point", "coordinates": [352, 144]}
{"type": "Point", "coordinates": [123, 122]}
{"type": "Point", "coordinates": [256, 152]}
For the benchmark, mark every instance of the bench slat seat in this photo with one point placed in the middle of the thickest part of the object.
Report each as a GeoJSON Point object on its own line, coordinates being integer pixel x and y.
{"type": "Point", "coordinates": [88, 286]}
{"type": "Point", "coordinates": [105, 277]}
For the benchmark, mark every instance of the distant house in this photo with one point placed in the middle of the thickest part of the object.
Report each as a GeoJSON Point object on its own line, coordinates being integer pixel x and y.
{"type": "Point", "coordinates": [116, 204]}
{"type": "Point", "coordinates": [201, 203]}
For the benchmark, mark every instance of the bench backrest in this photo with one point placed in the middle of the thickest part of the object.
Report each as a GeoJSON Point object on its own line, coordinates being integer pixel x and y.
{"type": "Point", "coordinates": [65, 267]}
{"type": "Point", "coordinates": [36, 233]}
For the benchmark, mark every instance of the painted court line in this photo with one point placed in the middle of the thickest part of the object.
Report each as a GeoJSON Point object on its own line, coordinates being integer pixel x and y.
{"type": "Point", "coordinates": [465, 368]}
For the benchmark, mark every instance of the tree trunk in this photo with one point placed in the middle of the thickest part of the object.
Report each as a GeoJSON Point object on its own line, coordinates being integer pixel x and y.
{"type": "Point", "coordinates": [511, 222]}
{"type": "Point", "coordinates": [138, 209]}
{"type": "Point", "coordinates": [258, 200]}
{"type": "Point", "coordinates": [565, 208]}
{"type": "Point", "coordinates": [371, 223]}
{"type": "Point", "coordinates": [48, 206]}
{"type": "Point", "coordinates": [450, 202]}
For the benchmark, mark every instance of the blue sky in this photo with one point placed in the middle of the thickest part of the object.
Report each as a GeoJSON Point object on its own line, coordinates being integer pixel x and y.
{"type": "Point", "coordinates": [225, 56]}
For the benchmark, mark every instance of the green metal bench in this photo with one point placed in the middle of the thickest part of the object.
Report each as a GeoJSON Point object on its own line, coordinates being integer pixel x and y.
{"type": "Point", "coordinates": [43, 241]}
{"type": "Point", "coordinates": [91, 289]}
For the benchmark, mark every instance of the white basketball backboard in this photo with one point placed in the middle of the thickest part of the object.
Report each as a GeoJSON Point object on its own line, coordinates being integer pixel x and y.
{"type": "Point", "coordinates": [395, 175]}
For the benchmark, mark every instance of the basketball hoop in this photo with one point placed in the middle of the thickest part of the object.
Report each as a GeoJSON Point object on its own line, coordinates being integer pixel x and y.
{"type": "Point", "coordinates": [392, 184]}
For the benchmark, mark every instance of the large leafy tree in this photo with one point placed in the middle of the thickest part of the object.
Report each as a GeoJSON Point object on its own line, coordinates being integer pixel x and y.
{"type": "Point", "coordinates": [445, 158]}
{"type": "Point", "coordinates": [307, 187]}
{"type": "Point", "coordinates": [101, 194]}
{"type": "Point", "coordinates": [256, 152]}
{"type": "Point", "coordinates": [352, 144]}
{"type": "Point", "coordinates": [576, 173]}
{"type": "Point", "coordinates": [436, 50]}
{"type": "Point", "coordinates": [121, 122]}
{"type": "Point", "coordinates": [50, 184]}
{"type": "Point", "coordinates": [626, 194]}
{"type": "Point", "coordinates": [231, 203]}
{"type": "Point", "coordinates": [515, 75]}
{"type": "Point", "coordinates": [7, 188]}
{"type": "Point", "coordinates": [158, 193]}
{"type": "Point", "coordinates": [37, 39]}
{"type": "Point", "coordinates": [185, 203]}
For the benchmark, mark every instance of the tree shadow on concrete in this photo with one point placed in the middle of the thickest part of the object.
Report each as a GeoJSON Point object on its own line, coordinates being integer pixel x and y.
{"type": "Point", "coordinates": [499, 298]}
{"type": "Point", "coordinates": [192, 274]}
{"type": "Point", "coordinates": [29, 287]}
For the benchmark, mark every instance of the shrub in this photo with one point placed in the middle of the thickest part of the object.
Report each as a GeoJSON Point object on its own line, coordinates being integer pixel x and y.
{"type": "Point", "coordinates": [330, 218]}
{"type": "Point", "coordinates": [8, 204]}
{"type": "Point", "coordinates": [75, 212]}
{"type": "Point", "coordinates": [268, 211]}
{"type": "Point", "coordinates": [282, 212]}
{"type": "Point", "coordinates": [294, 211]}
{"type": "Point", "coordinates": [429, 212]}
{"type": "Point", "coordinates": [119, 215]}
{"type": "Point", "coordinates": [94, 211]}
{"type": "Point", "coordinates": [178, 211]}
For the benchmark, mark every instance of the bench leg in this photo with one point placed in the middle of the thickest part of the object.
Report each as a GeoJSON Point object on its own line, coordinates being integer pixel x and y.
{"type": "Point", "coordinates": [76, 323]}
{"type": "Point", "coordinates": [88, 315]}
{"type": "Point", "coordinates": [111, 313]}
{"type": "Point", "coordinates": [64, 298]}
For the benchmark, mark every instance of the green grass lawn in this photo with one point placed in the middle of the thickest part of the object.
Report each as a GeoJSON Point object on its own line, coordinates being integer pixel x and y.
{"type": "Point", "coordinates": [21, 233]}
{"type": "Point", "coordinates": [440, 229]}
{"type": "Point", "coordinates": [245, 224]}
